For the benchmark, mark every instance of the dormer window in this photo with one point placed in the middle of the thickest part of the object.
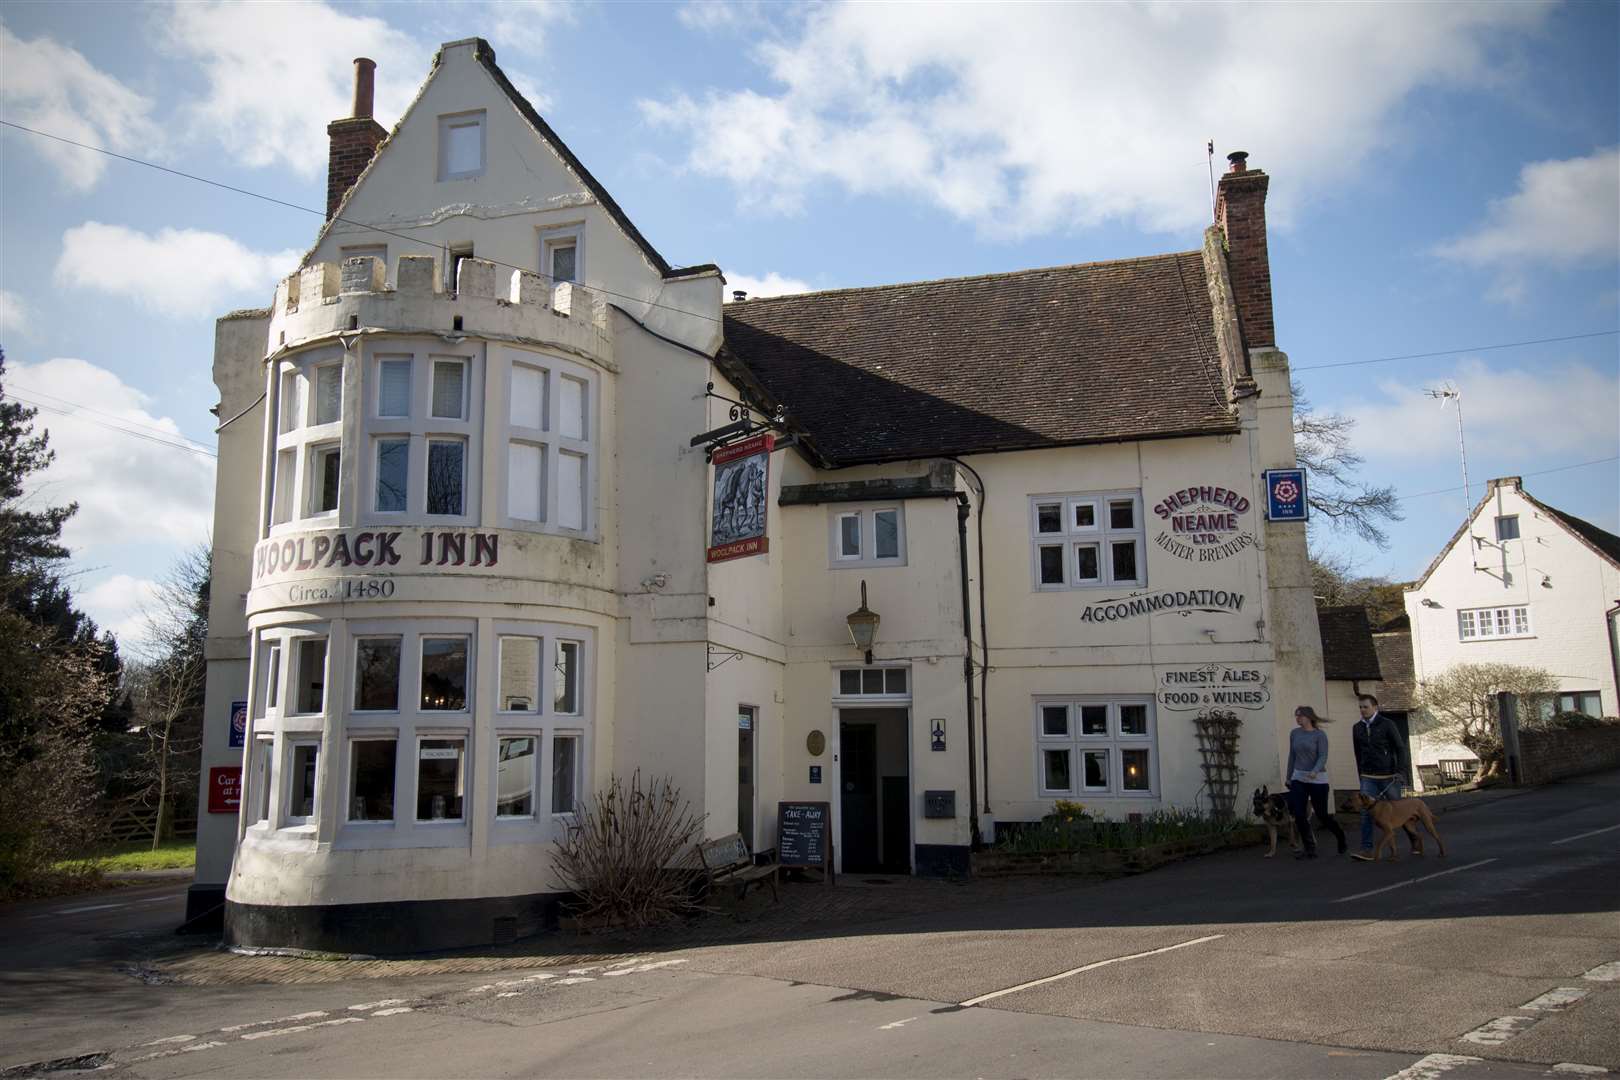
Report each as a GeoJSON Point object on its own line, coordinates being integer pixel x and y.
{"type": "Point", "coordinates": [461, 145]}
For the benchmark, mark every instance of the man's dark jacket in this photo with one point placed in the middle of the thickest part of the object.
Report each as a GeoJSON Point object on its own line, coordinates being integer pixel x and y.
{"type": "Point", "coordinates": [1380, 750]}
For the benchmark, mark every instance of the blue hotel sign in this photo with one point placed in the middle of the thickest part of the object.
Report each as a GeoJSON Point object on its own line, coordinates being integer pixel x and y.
{"type": "Point", "coordinates": [1285, 495]}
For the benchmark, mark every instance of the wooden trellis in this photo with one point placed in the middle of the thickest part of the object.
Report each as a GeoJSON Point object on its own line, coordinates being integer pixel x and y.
{"type": "Point", "coordinates": [1217, 743]}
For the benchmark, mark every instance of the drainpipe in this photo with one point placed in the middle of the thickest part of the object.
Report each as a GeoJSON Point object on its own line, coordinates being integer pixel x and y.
{"type": "Point", "coordinates": [1614, 651]}
{"type": "Point", "coordinates": [984, 638]}
{"type": "Point", "coordinates": [967, 670]}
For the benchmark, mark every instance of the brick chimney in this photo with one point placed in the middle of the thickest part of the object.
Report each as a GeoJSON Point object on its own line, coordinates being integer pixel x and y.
{"type": "Point", "coordinates": [1240, 211]}
{"type": "Point", "coordinates": [354, 140]}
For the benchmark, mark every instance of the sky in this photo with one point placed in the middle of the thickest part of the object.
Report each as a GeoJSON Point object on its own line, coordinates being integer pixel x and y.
{"type": "Point", "coordinates": [1445, 180]}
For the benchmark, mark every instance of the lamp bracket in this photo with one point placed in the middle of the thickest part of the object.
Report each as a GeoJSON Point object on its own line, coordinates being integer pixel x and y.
{"type": "Point", "coordinates": [725, 655]}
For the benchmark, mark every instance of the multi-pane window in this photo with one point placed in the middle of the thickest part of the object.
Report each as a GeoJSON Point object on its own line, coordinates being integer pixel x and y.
{"type": "Point", "coordinates": [421, 420]}
{"type": "Point", "coordinates": [1482, 623]}
{"type": "Point", "coordinates": [1088, 540]}
{"type": "Point", "coordinates": [1094, 745]}
{"type": "Point", "coordinates": [550, 443]}
{"type": "Point", "coordinates": [371, 779]}
{"type": "Point", "coordinates": [874, 681]}
{"type": "Point", "coordinates": [308, 463]}
{"type": "Point", "coordinates": [868, 536]}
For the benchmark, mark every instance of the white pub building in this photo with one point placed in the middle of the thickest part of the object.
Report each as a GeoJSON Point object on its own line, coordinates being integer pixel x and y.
{"type": "Point", "coordinates": [473, 558]}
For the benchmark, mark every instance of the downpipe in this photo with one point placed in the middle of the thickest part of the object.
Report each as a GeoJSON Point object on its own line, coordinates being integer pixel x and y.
{"type": "Point", "coordinates": [967, 671]}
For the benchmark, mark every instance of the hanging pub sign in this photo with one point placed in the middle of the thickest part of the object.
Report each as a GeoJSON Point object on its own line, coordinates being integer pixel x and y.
{"type": "Point", "coordinates": [1285, 495]}
{"type": "Point", "coordinates": [742, 482]}
{"type": "Point", "coordinates": [238, 724]}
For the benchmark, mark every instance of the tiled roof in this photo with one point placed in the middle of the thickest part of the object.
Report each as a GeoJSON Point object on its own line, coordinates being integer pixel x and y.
{"type": "Point", "coordinates": [1398, 686]}
{"type": "Point", "coordinates": [1605, 541]}
{"type": "Point", "coordinates": [1098, 352]}
{"type": "Point", "coordinates": [1347, 643]}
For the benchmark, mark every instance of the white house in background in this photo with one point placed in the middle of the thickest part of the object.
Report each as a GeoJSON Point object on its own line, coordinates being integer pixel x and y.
{"type": "Point", "coordinates": [1524, 583]}
{"type": "Point", "coordinates": [472, 560]}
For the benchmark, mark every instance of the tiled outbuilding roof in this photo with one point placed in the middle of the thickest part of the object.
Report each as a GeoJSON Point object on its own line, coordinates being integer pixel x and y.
{"type": "Point", "coordinates": [1347, 643]}
{"type": "Point", "coordinates": [1098, 352]}
{"type": "Point", "coordinates": [1398, 686]}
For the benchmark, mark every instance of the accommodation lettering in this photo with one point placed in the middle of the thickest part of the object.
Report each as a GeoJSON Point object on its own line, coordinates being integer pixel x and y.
{"type": "Point", "coordinates": [1218, 600]}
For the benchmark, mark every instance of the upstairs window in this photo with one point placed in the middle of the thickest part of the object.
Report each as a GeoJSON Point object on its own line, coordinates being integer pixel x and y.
{"type": "Point", "coordinates": [1088, 540]}
{"type": "Point", "coordinates": [868, 536]}
{"type": "Point", "coordinates": [1507, 527]}
{"type": "Point", "coordinates": [1483, 623]}
{"type": "Point", "coordinates": [560, 251]}
{"type": "Point", "coordinates": [550, 444]}
{"type": "Point", "coordinates": [461, 145]}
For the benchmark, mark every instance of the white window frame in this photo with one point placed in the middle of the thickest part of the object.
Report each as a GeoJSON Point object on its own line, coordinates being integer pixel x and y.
{"type": "Point", "coordinates": [434, 733]}
{"type": "Point", "coordinates": [417, 428]}
{"type": "Point", "coordinates": [1101, 534]}
{"type": "Point", "coordinates": [551, 237]}
{"type": "Point", "coordinates": [553, 445]}
{"type": "Point", "coordinates": [1115, 742]}
{"type": "Point", "coordinates": [563, 820]}
{"type": "Point", "coordinates": [866, 697]}
{"type": "Point", "coordinates": [501, 735]}
{"type": "Point", "coordinates": [295, 479]}
{"type": "Point", "coordinates": [448, 121]}
{"type": "Point", "coordinates": [290, 820]}
{"type": "Point", "coordinates": [261, 780]}
{"type": "Point", "coordinates": [866, 515]}
{"type": "Point", "coordinates": [354, 673]}
{"type": "Point", "coordinates": [1472, 623]}
{"type": "Point", "coordinates": [1500, 519]}
{"type": "Point", "coordinates": [359, 736]}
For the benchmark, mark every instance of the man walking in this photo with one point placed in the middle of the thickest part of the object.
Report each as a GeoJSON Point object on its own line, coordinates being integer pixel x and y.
{"type": "Point", "coordinates": [1381, 763]}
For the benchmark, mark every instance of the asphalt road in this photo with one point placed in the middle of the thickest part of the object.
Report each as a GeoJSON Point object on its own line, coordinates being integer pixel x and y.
{"type": "Point", "coordinates": [1225, 966]}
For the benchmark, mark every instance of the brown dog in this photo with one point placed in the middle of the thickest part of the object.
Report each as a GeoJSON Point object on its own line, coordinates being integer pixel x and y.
{"type": "Point", "coordinates": [1392, 814]}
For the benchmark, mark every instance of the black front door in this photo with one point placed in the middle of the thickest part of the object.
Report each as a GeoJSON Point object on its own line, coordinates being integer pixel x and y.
{"type": "Point", "coordinates": [858, 770]}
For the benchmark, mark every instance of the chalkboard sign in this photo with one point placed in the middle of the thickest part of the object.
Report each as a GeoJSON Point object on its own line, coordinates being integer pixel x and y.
{"type": "Point", "coordinates": [804, 835]}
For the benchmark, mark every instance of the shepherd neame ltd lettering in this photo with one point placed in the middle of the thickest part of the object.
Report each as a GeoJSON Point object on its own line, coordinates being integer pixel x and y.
{"type": "Point", "coordinates": [373, 549]}
{"type": "Point", "coordinates": [1201, 523]}
{"type": "Point", "coordinates": [1217, 600]}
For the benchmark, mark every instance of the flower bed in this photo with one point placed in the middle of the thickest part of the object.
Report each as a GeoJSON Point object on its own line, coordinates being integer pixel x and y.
{"type": "Point", "coordinates": [1070, 844]}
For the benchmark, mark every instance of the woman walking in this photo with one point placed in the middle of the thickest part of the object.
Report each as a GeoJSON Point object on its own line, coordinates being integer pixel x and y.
{"type": "Point", "coordinates": [1308, 779]}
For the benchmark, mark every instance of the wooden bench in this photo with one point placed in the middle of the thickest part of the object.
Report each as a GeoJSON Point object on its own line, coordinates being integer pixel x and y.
{"type": "Point", "coordinates": [1458, 771]}
{"type": "Point", "coordinates": [726, 862]}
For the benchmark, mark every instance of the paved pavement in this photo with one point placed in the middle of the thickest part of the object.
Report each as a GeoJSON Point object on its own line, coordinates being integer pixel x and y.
{"type": "Point", "coordinates": [1503, 959]}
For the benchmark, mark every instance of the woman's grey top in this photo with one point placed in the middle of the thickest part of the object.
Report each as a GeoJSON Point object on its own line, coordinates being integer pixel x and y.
{"type": "Point", "coordinates": [1307, 756]}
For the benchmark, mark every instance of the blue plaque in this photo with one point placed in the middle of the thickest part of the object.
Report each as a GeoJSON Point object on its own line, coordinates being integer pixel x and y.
{"type": "Point", "coordinates": [1285, 495]}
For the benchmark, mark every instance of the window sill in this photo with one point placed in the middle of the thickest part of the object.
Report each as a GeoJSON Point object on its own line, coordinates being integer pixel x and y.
{"type": "Point", "coordinates": [1495, 637]}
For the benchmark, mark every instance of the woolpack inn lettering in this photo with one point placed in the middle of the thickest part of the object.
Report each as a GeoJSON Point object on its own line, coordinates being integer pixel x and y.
{"type": "Point", "coordinates": [505, 436]}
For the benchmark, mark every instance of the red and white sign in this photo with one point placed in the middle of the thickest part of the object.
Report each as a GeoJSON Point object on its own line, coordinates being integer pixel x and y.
{"type": "Point", "coordinates": [742, 483]}
{"type": "Point", "coordinates": [225, 789]}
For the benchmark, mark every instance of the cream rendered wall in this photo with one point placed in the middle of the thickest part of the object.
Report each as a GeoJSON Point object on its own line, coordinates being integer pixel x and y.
{"type": "Point", "coordinates": [239, 341]}
{"type": "Point", "coordinates": [525, 188]}
{"type": "Point", "coordinates": [1569, 638]}
{"type": "Point", "coordinates": [1040, 645]}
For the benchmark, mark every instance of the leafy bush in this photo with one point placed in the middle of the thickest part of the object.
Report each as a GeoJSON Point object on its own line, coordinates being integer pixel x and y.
{"type": "Point", "coordinates": [629, 859]}
{"type": "Point", "coordinates": [1052, 833]}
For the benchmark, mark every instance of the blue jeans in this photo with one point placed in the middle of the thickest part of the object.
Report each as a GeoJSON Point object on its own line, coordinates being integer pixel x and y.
{"type": "Point", "coordinates": [1377, 789]}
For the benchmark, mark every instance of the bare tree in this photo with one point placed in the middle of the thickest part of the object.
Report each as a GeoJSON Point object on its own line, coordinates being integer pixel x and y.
{"type": "Point", "coordinates": [168, 685]}
{"type": "Point", "coordinates": [1322, 448]}
{"type": "Point", "coordinates": [1459, 704]}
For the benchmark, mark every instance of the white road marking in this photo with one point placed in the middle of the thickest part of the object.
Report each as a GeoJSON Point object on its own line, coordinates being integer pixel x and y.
{"type": "Point", "coordinates": [1088, 967]}
{"type": "Point", "coordinates": [639, 968]}
{"type": "Point", "coordinates": [263, 1023]}
{"type": "Point", "coordinates": [1412, 881]}
{"type": "Point", "coordinates": [509, 993]}
{"type": "Point", "coordinates": [273, 1032]}
{"type": "Point", "coordinates": [1584, 835]}
{"type": "Point", "coordinates": [897, 1023]}
{"type": "Point", "coordinates": [575, 980]}
{"type": "Point", "coordinates": [1556, 999]}
{"type": "Point", "coordinates": [384, 1003]}
{"type": "Point", "coordinates": [392, 1012]}
{"type": "Point", "coordinates": [170, 1039]}
{"type": "Point", "coordinates": [192, 1047]}
{"type": "Point", "coordinates": [1609, 972]}
{"type": "Point", "coordinates": [1500, 1030]}
{"type": "Point", "coordinates": [1582, 1070]}
{"type": "Point", "coordinates": [1433, 1067]}
{"type": "Point", "coordinates": [75, 910]}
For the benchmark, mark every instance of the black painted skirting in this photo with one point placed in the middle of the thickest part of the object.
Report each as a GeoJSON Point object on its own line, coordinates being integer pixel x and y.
{"type": "Point", "coordinates": [205, 909]}
{"type": "Point", "coordinates": [943, 860]}
{"type": "Point", "coordinates": [393, 928]}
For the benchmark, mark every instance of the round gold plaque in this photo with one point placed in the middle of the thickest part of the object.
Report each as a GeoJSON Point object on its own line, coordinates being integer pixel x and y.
{"type": "Point", "coordinates": [816, 743]}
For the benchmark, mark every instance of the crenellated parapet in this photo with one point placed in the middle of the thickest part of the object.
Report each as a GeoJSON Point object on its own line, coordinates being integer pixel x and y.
{"type": "Point", "coordinates": [328, 298]}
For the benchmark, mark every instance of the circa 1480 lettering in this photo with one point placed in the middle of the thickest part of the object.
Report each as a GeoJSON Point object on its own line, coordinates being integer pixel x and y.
{"type": "Point", "coordinates": [1202, 523]}
{"type": "Point", "coordinates": [375, 549]}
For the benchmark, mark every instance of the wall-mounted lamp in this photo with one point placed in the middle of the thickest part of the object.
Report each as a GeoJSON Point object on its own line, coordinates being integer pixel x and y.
{"type": "Point", "coordinates": [1546, 581]}
{"type": "Point", "coordinates": [1426, 602]}
{"type": "Point", "coordinates": [863, 624]}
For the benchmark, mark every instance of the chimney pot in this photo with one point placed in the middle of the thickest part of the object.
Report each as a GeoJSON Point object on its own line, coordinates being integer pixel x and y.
{"type": "Point", "coordinates": [1239, 160]}
{"type": "Point", "coordinates": [365, 78]}
{"type": "Point", "coordinates": [739, 294]}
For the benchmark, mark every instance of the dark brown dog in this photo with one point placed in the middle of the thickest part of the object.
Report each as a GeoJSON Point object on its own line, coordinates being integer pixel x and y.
{"type": "Point", "coordinates": [1392, 814]}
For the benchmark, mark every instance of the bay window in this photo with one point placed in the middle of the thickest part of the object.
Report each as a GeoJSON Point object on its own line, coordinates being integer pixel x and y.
{"type": "Point", "coordinates": [550, 440]}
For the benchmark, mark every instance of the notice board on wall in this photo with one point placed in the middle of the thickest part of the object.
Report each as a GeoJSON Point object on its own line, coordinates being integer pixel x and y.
{"type": "Point", "coordinates": [804, 835]}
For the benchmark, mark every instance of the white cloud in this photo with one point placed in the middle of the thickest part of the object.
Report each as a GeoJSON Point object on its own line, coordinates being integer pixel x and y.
{"type": "Point", "coordinates": [50, 87]}
{"type": "Point", "coordinates": [1510, 415]}
{"type": "Point", "coordinates": [128, 489]}
{"type": "Point", "coordinates": [772, 284]}
{"type": "Point", "coordinates": [1070, 115]}
{"type": "Point", "coordinates": [182, 273]}
{"type": "Point", "coordinates": [15, 317]}
{"type": "Point", "coordinates": [1565, 214]}
{"type": "Point", "coordinates": [120, 604]}
{"type": "Point", "coordinates": [708, 16]}
{"type": "Point", "coordinates": [523, 25]}
{"type": "Point", "coordinates": [279, 73]}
